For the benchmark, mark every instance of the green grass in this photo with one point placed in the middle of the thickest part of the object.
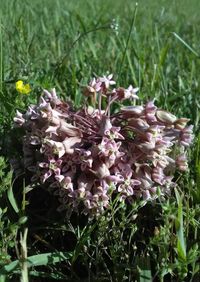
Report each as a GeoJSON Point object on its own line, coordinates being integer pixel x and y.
{"type": "Point", "coordinates": [63, 44]}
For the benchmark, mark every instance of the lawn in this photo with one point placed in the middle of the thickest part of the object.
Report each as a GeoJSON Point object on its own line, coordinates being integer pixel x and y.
{"type": "Point", "coordinates": [153, 45]}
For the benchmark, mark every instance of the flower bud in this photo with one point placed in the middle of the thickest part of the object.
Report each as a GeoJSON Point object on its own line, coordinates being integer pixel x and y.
{"type": "Point", "coordinates": [165, 117]}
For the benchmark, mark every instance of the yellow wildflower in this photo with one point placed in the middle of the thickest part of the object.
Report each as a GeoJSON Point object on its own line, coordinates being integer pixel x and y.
{"type": "Point", "coordinates": [22, 88]}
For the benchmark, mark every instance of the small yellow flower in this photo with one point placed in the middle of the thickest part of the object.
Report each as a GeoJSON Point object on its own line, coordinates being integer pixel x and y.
{"type": "Point", "coordinates": [22, 88]}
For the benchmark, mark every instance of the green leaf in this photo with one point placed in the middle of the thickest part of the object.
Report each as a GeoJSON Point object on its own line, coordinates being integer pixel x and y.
{"type": "Point", "coordinates": [2, 278]}
{"type": "Point", "coordinates": [9, 267]}
{"type": "Point", "coordinates": [48, 258]}
{"type": "Point", "coordinates": [181, 248]}
{"type": "Point", "coordinates": [57, 276]}
{"type": "Point", "coordinates": [143, 264]}
{"type": "Point", "coordinates": [12, 199]}
{"type": "Point", "coordinates": [37, 260]}
{"type": "Point", "coordinates": [145, 275]}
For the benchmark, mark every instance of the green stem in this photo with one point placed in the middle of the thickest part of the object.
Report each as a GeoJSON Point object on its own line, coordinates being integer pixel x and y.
{"type": "Point", "coordinates": [24, 266]}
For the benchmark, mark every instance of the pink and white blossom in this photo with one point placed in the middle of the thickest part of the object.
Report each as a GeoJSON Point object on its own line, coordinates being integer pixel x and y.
{"type": "Point", "coordinates": [88, 156]}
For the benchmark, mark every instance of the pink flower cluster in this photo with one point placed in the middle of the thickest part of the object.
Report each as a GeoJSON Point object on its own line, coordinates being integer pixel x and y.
{"type": "Point", "coordinates": [87, 156]}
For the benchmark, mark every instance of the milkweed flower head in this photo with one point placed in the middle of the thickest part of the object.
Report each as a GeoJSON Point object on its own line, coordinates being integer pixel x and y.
{"type": "Point", "coordinates": [87, 156]}
{"type": "Point", "coordinates": [22, 88]}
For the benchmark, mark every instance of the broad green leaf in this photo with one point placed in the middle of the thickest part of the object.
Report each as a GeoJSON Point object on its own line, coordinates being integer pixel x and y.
{"type": "Point", "coordinates": [12, 199]}
{"type": "Point", "coordinates": [9, 267]}
{"type": "Point", "coordinates": [2, 278]}
{"type": "Point", "coordinates": [145, 275]}
{"type": "Point", "coordinates": [37, 260]}
{"type": "Point", "coordinates": [48, 258]}
{"type": "Point", "coordinates": [143, 264]}
{"type": "Point", "coordinates": [34, 273]}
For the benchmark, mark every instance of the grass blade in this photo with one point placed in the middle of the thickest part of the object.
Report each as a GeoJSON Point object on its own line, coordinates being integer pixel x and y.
{"type": "Point", "coordinates": [128, 38]}
{"type": "Point", "coordinates": [185, 44]}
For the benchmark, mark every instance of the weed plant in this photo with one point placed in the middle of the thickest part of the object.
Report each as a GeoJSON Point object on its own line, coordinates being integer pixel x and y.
{"type": "Point", "coordinates": [153, 45]}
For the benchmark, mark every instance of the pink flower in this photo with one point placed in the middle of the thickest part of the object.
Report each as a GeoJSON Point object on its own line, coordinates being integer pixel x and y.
{"type": "Point", "coordinates": [88, 156]}
{"type": "Point", "coordinates": [19, 120]}
{"type": "Point", "coordinates": [113, 133]}
{"type": "Point", "coordinates": [107, 81]}
{"type": "Point", "coordinates": [186, 136]}
{"type": "Point", "coordinates": [93, 87]}
{"type": "Point", "coordinates": [51, 168]}
{"type": "Point", "coordinates": [181, 162]}
{"type": "Point", "coordinates": [130, 93]}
